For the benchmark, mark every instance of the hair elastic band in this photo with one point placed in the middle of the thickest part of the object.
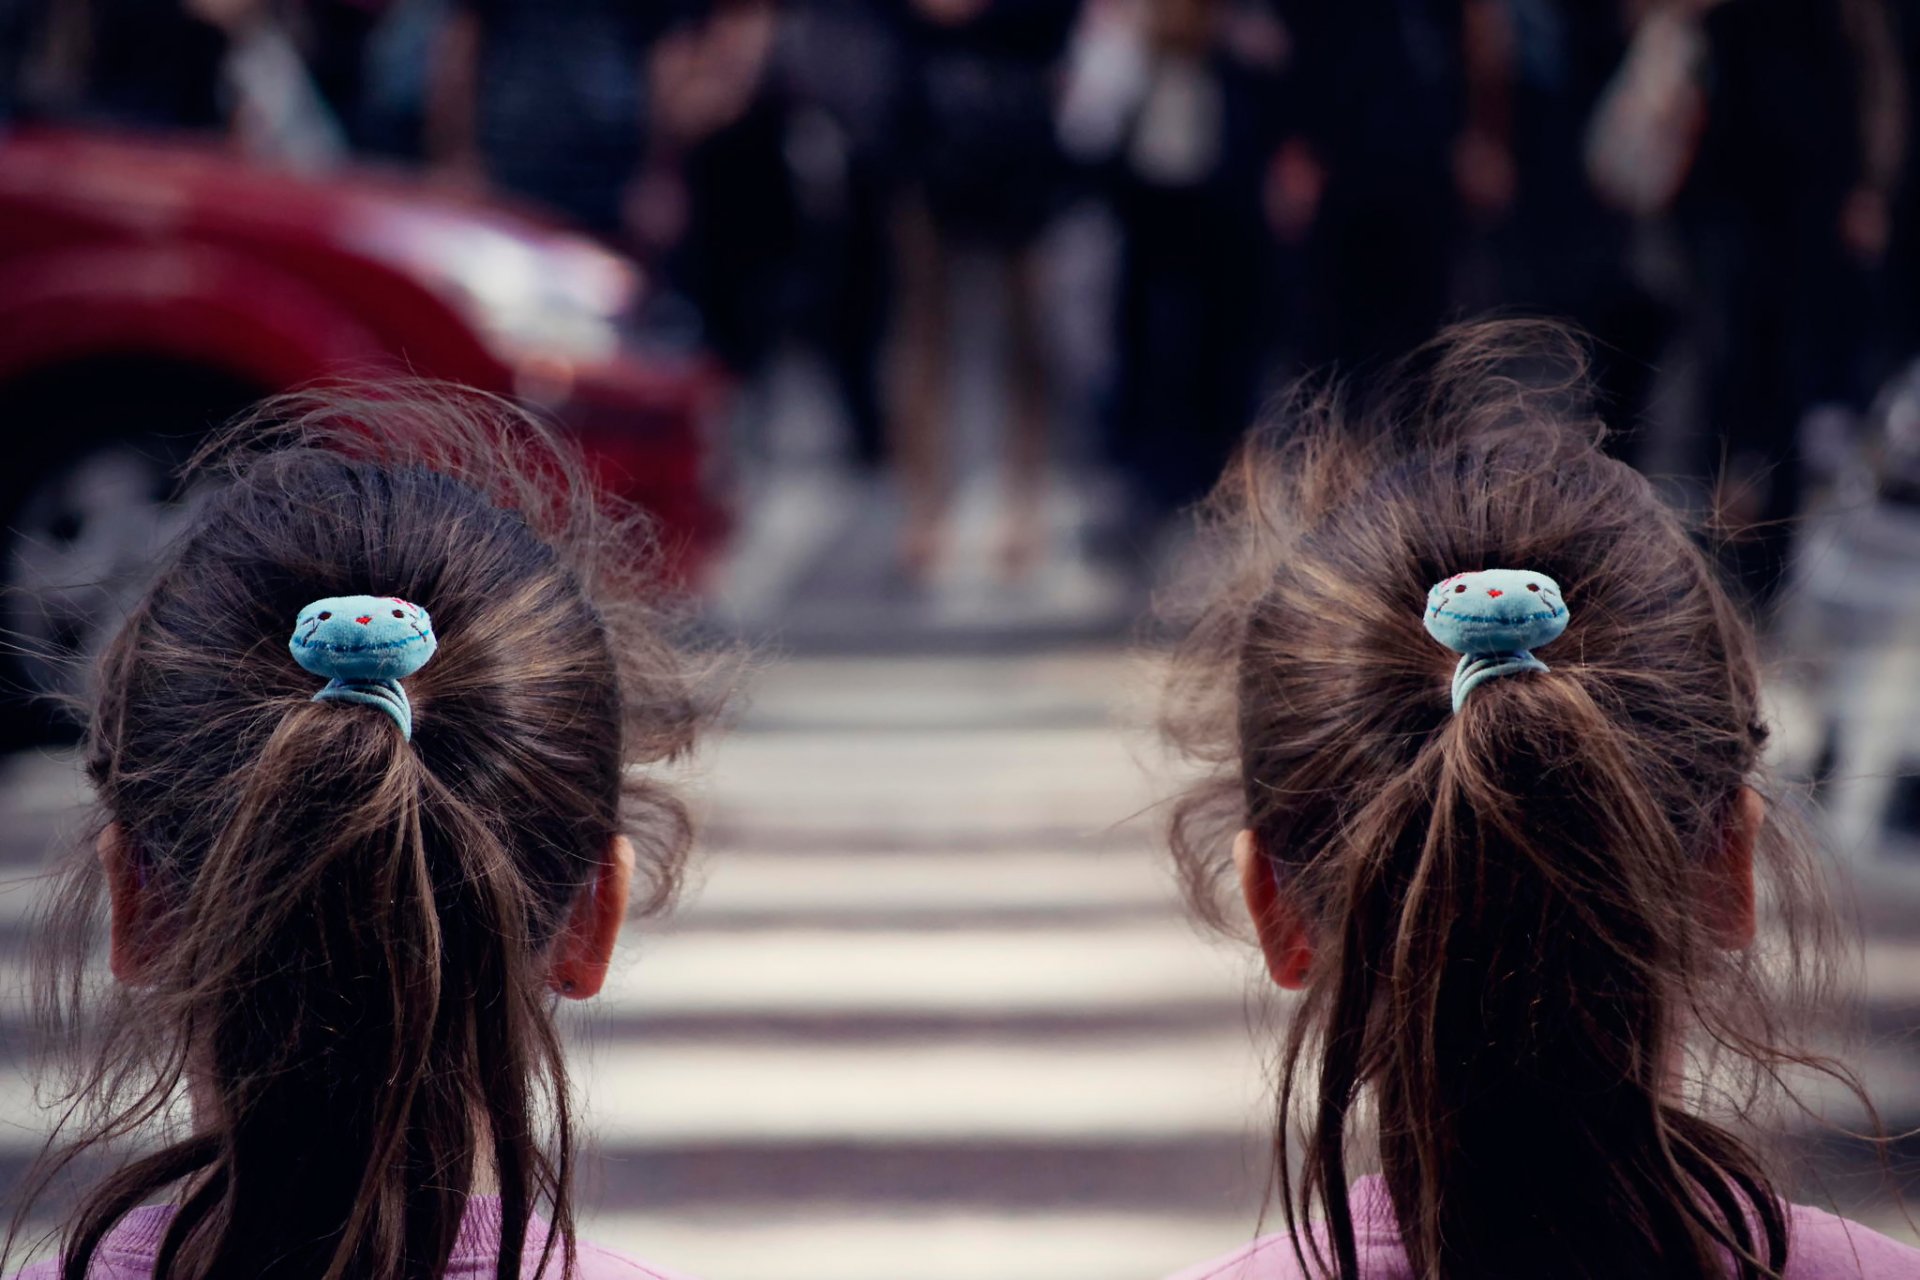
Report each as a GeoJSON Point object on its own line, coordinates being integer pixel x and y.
{"type": "Point", "coordinates": [365, 645]}
{"type": "Point", "coordinates": [1494, 619]}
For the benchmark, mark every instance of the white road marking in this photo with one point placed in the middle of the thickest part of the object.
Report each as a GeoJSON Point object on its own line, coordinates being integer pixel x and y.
{"type": "Point", "coordinates": [904, 885]}
{"type": "Point", "coordinates": [1113, 1089]}
{"type": "Point", "coordinates": [922, 1244]}
{"type": "Point", "coordinates": [984, 970]}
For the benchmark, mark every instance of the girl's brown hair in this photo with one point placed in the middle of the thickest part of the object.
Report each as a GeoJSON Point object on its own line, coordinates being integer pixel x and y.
{"type": "Point", "coordinates": [1513, 960]}
{"type": "Point", "coordinates": [343, 956]}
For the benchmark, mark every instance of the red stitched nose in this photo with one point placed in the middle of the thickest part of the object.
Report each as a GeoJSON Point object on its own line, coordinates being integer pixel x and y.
{"type": "Point", "coordinates": [364, 621]}
{"type": "Point", "coordinates": [1495, 592]}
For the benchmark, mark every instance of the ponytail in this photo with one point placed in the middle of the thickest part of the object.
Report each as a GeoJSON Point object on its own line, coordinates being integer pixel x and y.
{"type": "Point", "coordinates": [318, 956]}
{"type": "Point", "coordinates": [1511, 911]}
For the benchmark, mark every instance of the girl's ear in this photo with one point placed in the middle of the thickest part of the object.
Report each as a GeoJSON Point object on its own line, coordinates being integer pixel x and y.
{"type": "Point", "coordinates": [127, 895]}
{"type": "Point", "coordinates": [584, 948]}
{"type": "Point", "coordinates": [1282, 930]}
{"type": "Point", "coordinates": [1731, 913]}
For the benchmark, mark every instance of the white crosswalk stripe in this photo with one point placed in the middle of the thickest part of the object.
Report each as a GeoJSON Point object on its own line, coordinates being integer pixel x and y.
{"type": "Point", "coordinates": [1073, 969]}
{"type": "Point", "coordinates": [979, 1092]}
{"type": "Point", "coordinates": [936, 1245]}
{"type": "Point", "coordinates": [903, 886]}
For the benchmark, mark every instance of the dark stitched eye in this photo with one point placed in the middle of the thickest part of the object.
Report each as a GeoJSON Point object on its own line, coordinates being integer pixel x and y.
{"type": "Point", "coordinates": [1533, 586]}
{"type": "Point", "coordinates": [398, 614]}
{"type": "Point", "coordinates": [1460, 590]}
{"type": "Point", "coordinates": [325, 616]}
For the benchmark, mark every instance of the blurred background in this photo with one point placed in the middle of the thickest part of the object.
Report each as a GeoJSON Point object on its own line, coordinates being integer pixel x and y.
{"type": "Point", "coordinates": [918, 323]}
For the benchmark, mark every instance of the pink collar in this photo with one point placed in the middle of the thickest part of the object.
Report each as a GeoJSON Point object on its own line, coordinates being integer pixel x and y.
{"type": "Point", "coordinates": [136, 1238]}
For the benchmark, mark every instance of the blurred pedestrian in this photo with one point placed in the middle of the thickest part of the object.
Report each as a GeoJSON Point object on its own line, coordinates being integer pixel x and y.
{"type": "Point", "coordinates": [1192, 129]}
{"type": "Point", "coordinates": [373, 62]}
{"type": "Point", "coordinates": [149, 64]}
{"type": "Point", "coordinates": [980, 171]}
{"type": "Point", "coordinates": [545, 99]}
{"type": "Point", "coordinates": [1903, 244]}
{"type": "Point", "coordinates": [1787, 217]}
{"type": "Point", "coordinates": [768, 183]}
{"type": "Point", "coordinates": [228, 67]}
{"type": "Point", "coordinates": [1404, 137]}
{"type": "Point", "coordinates": [849, 81]}
{"type": "Point", "coordinates": [337, 36]}
{"type": "Point", "coordinates": [720, 121]}
{"type": "Point", "coordinates": [1562, 249]}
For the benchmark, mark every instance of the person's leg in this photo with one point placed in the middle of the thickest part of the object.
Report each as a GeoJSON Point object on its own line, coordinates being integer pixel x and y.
{"type": "Point", "coordinates": [1027, 437]}
{"type": "Point", "coordinates": [858, 311]}
{"type": "Point", "coordinates": [1125, 413]}
{"type": "Point", "coordinates": [1162, 365]}
{"type": "Point", "coordinates": [918, 436]}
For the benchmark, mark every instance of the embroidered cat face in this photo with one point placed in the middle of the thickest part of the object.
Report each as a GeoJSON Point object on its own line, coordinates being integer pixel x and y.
{"type": "Point", "coordinates": [1496, 611]}
{"type": "Point", "coordinates": [363, 638]}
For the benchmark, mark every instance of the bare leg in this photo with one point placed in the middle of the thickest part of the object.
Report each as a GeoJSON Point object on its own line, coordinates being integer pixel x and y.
{"type": "Point", "coordinates": [1024, 537]}
{"type": "Point", "coordinates": [918, 435]}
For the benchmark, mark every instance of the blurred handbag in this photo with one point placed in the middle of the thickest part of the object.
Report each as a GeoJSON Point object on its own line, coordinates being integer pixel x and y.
{"type": "Point", "coordinates": [1645, 129]}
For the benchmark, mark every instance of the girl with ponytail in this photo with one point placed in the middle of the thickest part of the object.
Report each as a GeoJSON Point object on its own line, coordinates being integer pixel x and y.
{"type": "Point", "coordinates": [1518, 892]}
{"type": "Point", "coordinates": [370, 758]}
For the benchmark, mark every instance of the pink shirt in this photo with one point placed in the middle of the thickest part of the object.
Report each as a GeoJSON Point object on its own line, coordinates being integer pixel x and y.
{"type": "Point", "coordinates": [128, 1251]}
{"type": "Point", "coordinates": [1822, 1246]}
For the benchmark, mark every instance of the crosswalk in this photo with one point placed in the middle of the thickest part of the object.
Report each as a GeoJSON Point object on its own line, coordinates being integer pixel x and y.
{"type": "Point", "coordinates": [930, 1009]}
{"type": "Point", "coordinates": [936, 978]}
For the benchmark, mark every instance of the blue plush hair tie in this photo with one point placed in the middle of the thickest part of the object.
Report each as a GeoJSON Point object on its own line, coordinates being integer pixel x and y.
{"type": "Point", "coordinates": [1493, 619]}
{"type": "Point", "coordinates": [365, 645]}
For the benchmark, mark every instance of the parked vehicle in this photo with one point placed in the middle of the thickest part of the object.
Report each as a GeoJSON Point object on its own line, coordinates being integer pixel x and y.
{"type": "Point", "coordinates": [150, 289]}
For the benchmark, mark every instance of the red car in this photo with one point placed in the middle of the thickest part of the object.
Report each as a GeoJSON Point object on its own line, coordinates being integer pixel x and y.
{"type": "Point", "coordinates": [150, 289]}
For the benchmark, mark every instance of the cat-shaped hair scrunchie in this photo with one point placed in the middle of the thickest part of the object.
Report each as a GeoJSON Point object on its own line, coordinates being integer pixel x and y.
{"type": "Point", "coordinates": [365, 645]}
{"type": "Point", "coordinates": [1494, 619]}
